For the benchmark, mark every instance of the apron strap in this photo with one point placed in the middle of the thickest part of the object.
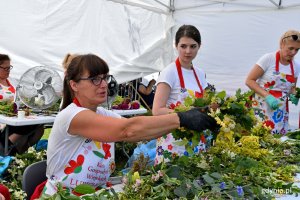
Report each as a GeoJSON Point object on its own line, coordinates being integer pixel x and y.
{"type": "Point", "coordinates": [277, 64]}
{"type": "Point", "coordinates": [293, 75]}
{"type": "Point", "coordinates": [179, 71]}
{"type": "Point", "coordinates": [11, 87]}
{"type": "Point", "coordinates": [76, 102]}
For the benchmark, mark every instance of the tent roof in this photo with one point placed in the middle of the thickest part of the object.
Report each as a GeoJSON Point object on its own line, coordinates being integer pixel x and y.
{"type": "Point", "coordinates": [166, 6]}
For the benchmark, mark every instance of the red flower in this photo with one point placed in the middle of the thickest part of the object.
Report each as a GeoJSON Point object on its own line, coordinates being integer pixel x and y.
{"type": "Point", "coordinates": [254, 103]}
{"type": "Point", "coordinates": [174, 155]}
{"type": "Point", "coordinates": [198, 94]}
{"type": "Point", "coordinates": [203, 139]}
{"type": "Point", "coordinates": [290, 78]}
{"type": "Point", "coordinates": [178, 103]}
{"type": "Point", "coordinates": [269, 123]}
{"type": "Point", "coordinates": [112, 166]}
{"type": "Point", "coordinates": [1, 97]}
{"type": "Point", "coordinates": [172, 106]}
{"type": "Point", "coordinates": [75, 167]}
{"type": "Point", "coordinates": [275, 93]}
{"type": "Point", "coordinates": [268, 84]}
{"type": "Point", "coordinates": [109, 184]}
{"type": "Point", "coordinates": [170, 147]}
{"type": "Point", "coordinates": [106, 149]}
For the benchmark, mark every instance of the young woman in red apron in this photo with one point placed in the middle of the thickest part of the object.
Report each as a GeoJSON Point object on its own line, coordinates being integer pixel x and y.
{"type": "Point", "coordinates": [273, 79]}
{"type": "Point", "coordinates": [177, 81]}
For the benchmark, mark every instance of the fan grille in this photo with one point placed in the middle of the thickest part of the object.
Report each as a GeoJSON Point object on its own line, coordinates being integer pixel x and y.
{"type": "Point", "coordinates": [40, 87]}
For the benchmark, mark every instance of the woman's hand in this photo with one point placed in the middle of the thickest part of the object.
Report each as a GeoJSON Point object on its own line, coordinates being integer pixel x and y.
{"type": "Point", "coordinates": [272, 102]}
{"type": "Point", "coordinates": [294, 99]}
{"type": "Point", "coordinates": [196, 120]}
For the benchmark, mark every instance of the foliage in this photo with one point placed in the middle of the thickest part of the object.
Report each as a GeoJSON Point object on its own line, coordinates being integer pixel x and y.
{"type": "Point", "coordinates": [223, 172]}
{"type": "Point", "coordinates": [87, 192]}
{"type": "Point", "coordinates": [233, 114]}
{"type": "Point", "coordinates": [13, 178]}
{"type": "Point", "coordinates": [8, 108]}
{"type": "Point", "coordinates": [245, 161]}
{"type": "Point", "coordinates": [294, 134]}
{"type": "Point", "coordinates": [122, 151]}
{"type": "Point", "coordinates": [297, 92]}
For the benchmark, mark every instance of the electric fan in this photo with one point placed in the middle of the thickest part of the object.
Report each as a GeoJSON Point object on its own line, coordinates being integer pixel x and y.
{"type": "Point", "coordinates": [112, 88]}
{"type": "Point", "coordinates": [39, 88]}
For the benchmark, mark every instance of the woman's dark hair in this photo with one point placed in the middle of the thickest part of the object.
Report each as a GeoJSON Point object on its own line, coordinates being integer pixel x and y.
{"type": "Point", "coordinates": [93, 64]}
{"type": "Point", "coordinates": [189, 31]}
{"type": "Point", "coordinates": [4, 57]}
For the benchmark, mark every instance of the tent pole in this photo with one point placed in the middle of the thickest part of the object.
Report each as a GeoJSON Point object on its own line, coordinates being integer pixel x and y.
{"type": "Point", "coordinates": [195, 6]}
{"type": "Point", "coordinates": [141, 6]}
{"type": "Point", "coordinates": [157, 1]}
{"type": "Point", "coordinates": [172, 6]}
{"type": "Point", "coordinates": [277, 5]}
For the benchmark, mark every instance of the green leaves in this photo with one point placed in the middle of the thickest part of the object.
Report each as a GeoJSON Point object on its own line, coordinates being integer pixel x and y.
{"type": "Point", "coordinates": [208, 179]}
{"type": "Point", "coordinates": [174, 171]}
{"type": "Point", "coordinates": [84, 189]}
{"type": "Point", "coordinates": [221, 94]}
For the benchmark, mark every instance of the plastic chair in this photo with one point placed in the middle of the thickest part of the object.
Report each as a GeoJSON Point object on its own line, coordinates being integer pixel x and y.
{"type": "Point", "coordinates": [33, 175]}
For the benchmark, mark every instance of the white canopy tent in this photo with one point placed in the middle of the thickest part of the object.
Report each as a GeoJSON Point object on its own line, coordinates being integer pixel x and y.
{"type": "Point", "coordinates": [135, 37]}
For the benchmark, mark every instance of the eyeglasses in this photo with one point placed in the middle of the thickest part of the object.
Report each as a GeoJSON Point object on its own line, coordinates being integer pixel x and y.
{"type": "Point", "coordinates": [7, 68]}
{"type": "Point", "coordinates": [294, 37]}
{"type": "Point", "coordinates": [97, 80]}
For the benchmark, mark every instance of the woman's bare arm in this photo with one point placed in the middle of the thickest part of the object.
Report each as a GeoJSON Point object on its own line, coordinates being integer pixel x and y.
{"type": "Point", "coordinates": [162, 94]}
{"type": "Point", "coordinates": [147, 90]}
{"type": "Point", "coordinates": [107, 129]}
{"type": "Point", "coordinates": [254, 74]}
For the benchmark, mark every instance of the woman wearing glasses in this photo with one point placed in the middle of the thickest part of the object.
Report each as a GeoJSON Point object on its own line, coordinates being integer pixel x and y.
{"type": "Point", "coordinates": [80, 148]}
{"type": "Point", "coordinates": [20, 137]}
{"type": "Point", "coordinates": [273, 79]}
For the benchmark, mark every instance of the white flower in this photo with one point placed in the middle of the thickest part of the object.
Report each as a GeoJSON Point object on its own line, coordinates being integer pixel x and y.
{"type": "Point", "coordinates": [19, 194]}
{"type": "Point", "coordinates": [231, 126]}
{"type": "Point", "coordinates": [31, 150]}
{"type": "Point", "coordinates": [233, 98]}
{"type": "Point", "coordinates": [231, 154]}
{"type": "Point", "coordinates": [124, 180]}
{"type": "Point", "coordinates": [286, 152]}
{"type": "Point", "coordinates": [219, 101]}
{"type": "Point", "coordinates": [226, 130]}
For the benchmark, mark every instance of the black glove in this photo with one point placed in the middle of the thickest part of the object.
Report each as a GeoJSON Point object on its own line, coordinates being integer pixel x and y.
{"type": "Point", "coordinates": [196, 120]}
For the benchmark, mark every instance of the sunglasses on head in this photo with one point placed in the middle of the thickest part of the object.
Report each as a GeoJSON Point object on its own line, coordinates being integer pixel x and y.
{"type": "Point", "coordinates": [294, 37]}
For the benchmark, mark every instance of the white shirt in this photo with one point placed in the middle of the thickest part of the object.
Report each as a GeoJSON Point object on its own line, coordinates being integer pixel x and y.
{"type": "Point", "coordinates": [268, 63]}
{"type": "Point", "coordinates": [170, 76]}
{"type": "Point", "coordinates": [94, 164]}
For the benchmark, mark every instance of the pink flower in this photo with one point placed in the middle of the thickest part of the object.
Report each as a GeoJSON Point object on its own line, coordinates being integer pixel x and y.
{"type": "Point", "coordinates": [161, 173]}
{"type": "Point", "coordinates": [155, 177]}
